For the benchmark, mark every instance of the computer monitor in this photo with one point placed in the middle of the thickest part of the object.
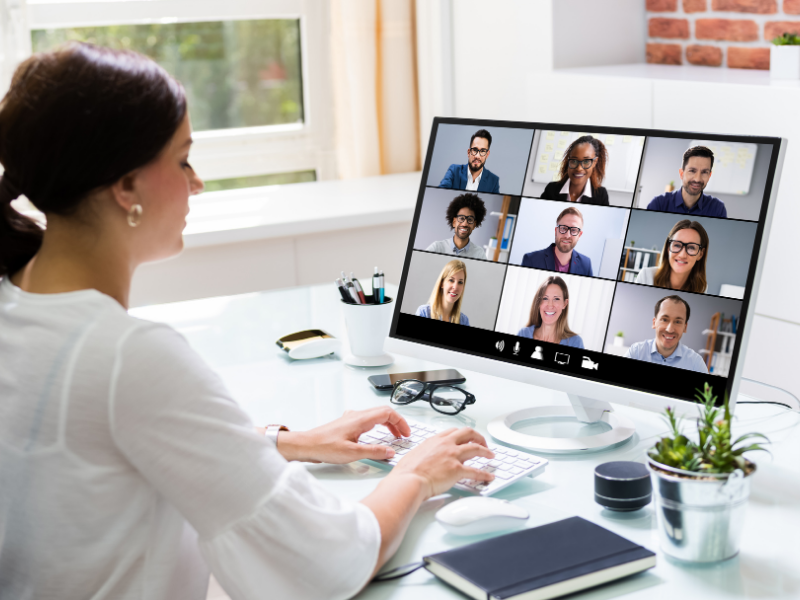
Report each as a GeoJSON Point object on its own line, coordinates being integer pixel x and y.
{"type": "Point", "coordinates": [617, 265]}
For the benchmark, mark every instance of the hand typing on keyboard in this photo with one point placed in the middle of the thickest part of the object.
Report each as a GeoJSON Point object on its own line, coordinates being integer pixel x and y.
{"type": "Point", "coordinates": [504, 464]}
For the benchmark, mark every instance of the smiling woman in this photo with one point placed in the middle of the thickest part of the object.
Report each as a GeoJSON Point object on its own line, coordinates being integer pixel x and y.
{"type": "Point", "coordinates": [447, 295]}
{"type": "Point", "coordinates": [549, 318]}
{"type": "Point", "coordinates": [683, 260]}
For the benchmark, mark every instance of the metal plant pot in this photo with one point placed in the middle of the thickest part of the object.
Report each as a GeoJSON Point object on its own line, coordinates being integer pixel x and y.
{"type": "Point", "coordinates": [700, 515]}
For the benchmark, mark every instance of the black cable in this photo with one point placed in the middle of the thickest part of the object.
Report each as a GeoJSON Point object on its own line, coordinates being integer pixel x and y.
{"type": "Point", "coordinates": [398, 572]}
{"type": "Point", "coordinates": [765, 402]}
{"type": "Point", "coordinates": [774, 387]}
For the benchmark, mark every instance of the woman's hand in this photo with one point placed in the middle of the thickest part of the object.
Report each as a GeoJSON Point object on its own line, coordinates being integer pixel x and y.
{"type": "Point", "coordinates": [337, 442]}
{"type": "Point", "coordinates": [439, 460]}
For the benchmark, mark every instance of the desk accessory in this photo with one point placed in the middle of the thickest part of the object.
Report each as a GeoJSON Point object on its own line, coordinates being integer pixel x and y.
{"type": "Point", "coordinates": [622, 485]}
{"type": "Point", "coordinates": [542, 562]}
{"type": "Point", "coordinates": [701, 488]}
{"type": "Point", "coordinates": [447, 399]}
{"type": "Point", "coordinates": [367, 328]}
{"type": "Point", "coordinates": [309, 343]}
{"type": "Point", "coordinates": [387, 381]}
{"type": "Point", "coordinates": [478, 515]}
{"type": "Point", "coordinates": [508, 466]}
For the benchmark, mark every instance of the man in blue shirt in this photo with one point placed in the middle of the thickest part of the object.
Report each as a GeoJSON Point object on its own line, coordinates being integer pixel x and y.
{"type": "Point", "coordinates": [670, 321]}
{"type": "Point", "coordinates": [690, 199]}
{"type": "Point", "coordinates": [474, 176]}
{"type": "Point", "coordinates": [561, 256]}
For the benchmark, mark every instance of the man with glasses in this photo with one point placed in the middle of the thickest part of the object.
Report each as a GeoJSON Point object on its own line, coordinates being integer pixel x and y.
{"type": "Point", "coordinates": [670, 322]}
{"type": "Point", "coordinates": [690, 199]}
{"type": "Point", "coordinates": [464, 214]}
{"type": "Point", "coordinates": [473, 176]}
{"type": "Point", "coordinates": [561, 256]}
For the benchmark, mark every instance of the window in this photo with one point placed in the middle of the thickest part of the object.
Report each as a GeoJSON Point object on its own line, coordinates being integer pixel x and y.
{"type": "Point", "coordinates": [247, 65]}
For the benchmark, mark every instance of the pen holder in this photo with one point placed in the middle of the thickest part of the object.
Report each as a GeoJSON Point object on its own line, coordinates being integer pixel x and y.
{"type": "Point", "coordinates": [367, 328]}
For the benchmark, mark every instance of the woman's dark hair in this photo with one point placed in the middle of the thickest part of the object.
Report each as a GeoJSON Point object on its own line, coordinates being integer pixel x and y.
{"type": "Point", "coordinates": [73, 121]}
{"type": "Point", "coordinates": [470, 201]}
{"type": "Point", "coordinates": [600, 152]}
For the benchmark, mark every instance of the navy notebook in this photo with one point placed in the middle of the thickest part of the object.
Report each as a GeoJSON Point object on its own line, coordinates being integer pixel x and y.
{"type": "Point", "coordinates": [540, 563]}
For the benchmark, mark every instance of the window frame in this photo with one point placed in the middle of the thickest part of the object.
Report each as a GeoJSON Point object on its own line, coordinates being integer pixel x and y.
{"type": "Point", "coordinates": [241, 152]}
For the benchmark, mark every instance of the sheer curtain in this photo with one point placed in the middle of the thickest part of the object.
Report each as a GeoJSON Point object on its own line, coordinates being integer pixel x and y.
{"type": "Point", "coordinates": [374, 87]}
{"type": "Point", "coordinates": [14, 39]}
{"type": "Point", "coordinates": [589, 303]}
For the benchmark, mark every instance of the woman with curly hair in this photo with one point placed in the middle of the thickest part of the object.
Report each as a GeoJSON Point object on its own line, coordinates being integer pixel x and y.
{"type": "Point", "coordinates": [581, 175]}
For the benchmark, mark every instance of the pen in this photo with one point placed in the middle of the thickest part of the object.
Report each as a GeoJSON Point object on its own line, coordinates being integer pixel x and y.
{"type": "Point", "coordinates": [381, 287]}
{"type": "Point", "coordinates": [359, 289]}
{"type": "Point", "coordinates": [351, 289]}
{"type": "Point", "coordinates": [376, 284]}
{"type": "Point", "coordinates": [343, 291]}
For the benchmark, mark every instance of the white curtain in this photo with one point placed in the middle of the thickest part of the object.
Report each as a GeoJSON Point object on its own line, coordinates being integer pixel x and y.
{"type": "Point", "coordinates": [15, 42]}
{"type": "Point", "coordinates": [374, 87]}
{"type": "Point", "coordinates": [589, 303]}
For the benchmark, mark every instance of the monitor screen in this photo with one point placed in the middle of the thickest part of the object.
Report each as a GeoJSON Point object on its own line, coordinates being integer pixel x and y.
{"type": "Point", "coordinates": [621, 256]}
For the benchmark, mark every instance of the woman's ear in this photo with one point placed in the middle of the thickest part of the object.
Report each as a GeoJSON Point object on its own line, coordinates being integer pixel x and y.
{"type": "Point", "coordinates": [124, 191]}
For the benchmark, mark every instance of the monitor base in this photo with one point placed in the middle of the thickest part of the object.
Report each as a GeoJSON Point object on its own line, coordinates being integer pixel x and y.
{"type": "Point", "coordinates": [583, 410]}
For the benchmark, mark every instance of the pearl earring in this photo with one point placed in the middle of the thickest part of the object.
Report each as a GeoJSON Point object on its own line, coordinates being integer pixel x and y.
{"type": "Point", "coordinates": [135, 215]}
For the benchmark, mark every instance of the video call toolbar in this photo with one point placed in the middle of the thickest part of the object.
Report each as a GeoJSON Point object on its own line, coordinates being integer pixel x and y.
{"type": "Point", "coordinates": [608, 247]}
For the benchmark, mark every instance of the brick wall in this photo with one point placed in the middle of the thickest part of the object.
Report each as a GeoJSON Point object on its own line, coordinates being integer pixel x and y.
{"type": "Point", "coordinates": [717, 33]}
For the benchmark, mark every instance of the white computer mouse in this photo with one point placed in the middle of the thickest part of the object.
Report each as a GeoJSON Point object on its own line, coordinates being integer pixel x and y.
{"type": "Point", "coordinates": [478, 515]}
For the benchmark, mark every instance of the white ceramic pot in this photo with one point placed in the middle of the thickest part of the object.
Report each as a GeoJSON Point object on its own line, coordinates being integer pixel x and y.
{"type": "Point", "coordinates": [784, 62]}
{"type": "Point", "coordinates": [619, 341]}
{"type": "Point", "coordinates": [367, 327]}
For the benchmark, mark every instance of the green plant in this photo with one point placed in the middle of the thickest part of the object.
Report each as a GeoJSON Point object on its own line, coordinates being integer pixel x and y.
{"type": "Point", "coordinates": [787, 39]}
{"type": "Point", "coordinates": [620, 334]}
{"type": "Point", "coordinates": [713, 452]}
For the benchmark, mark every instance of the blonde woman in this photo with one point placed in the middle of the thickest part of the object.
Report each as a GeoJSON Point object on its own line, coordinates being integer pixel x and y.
{"type": "Point", "coordinates": [549, 320]}
{"type": "Point", "coordinates": [683, 260]}
{"type": "Point", "coordinates": [447, 294]}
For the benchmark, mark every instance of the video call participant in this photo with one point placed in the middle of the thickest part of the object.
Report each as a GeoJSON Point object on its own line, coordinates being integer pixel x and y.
{"type": "Point", "coordinates": [549, 321]}
{"type": "Point", "coordinates": [690, 199]}
{"type": "Point", "coordinates": [474, 176]}
{"type": "Point", "coordinates": [447, 294]}
{"type": "Point", "coordinates": [670, 322]}
{"type": "Point", "coordinates": [683, 260]}
{"type": "Point", "coordinates": [561, 256]}
{"type": "Point", "coordinates": [464, 214]}
{"type": "Point", "coordinates": [582, 171]}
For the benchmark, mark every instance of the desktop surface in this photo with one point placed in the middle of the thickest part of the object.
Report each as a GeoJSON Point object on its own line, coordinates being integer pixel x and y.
{"type": "Point", "coordinates": [236, 336]}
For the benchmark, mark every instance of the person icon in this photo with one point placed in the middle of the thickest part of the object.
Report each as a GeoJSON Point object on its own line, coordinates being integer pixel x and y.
{"type": "Point", "coordinates": [538, 354]}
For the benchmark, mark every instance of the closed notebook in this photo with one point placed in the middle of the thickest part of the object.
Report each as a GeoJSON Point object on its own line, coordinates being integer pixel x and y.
{"type": "Point", "coordinates": [540, 563]}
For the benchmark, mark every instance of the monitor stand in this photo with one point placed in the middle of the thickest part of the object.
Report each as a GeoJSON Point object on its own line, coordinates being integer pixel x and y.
{"type": "Point", "coordinates": [583, 410]}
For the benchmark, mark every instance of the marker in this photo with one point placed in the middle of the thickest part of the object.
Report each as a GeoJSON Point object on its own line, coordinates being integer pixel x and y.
{"type": "Point", "coordinates": [381, 287]}
{"type": "Point", "coordinates": [376, 284]}
{"type": "Point", "coordinates": [351, 289]}
{"type": "Point", "coordinates": [343, 291]}
{"type": "Point", "coordinates": [359, 289]}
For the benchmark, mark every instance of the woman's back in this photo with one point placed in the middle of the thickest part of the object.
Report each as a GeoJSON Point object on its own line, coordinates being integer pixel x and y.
{"type": "Point", "coordinates": [126, 469]}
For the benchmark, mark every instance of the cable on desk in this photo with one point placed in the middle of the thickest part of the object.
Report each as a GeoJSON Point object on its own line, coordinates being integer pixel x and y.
{"type": "Point", "coordinates": [774, 387]}
{"type": "Point", "coordinates": [398, 572]}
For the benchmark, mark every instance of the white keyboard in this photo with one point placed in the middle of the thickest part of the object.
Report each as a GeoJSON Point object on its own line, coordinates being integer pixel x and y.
{"type": "Point", "coordinates": [507, 465]}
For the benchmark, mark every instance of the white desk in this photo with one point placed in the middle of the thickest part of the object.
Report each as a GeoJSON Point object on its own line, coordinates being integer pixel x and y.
{"type": "Point", "coordinates": [237, 334]}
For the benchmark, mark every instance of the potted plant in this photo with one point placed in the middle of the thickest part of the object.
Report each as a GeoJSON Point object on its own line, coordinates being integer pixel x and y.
{"type": "Point", "coordinates": [701, 487]}
{"type": "Point", "coordinates": [619, 339]}
{"type": "Point", "coordinates": [784, 57]}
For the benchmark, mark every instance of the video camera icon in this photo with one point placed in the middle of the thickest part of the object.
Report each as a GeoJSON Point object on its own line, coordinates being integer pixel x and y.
{"type": "Point", "coordinates": [588, 363]}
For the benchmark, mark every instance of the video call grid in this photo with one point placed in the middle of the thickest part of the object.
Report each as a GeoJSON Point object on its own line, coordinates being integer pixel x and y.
{"type": "Point", "coordinates": [630, 208]}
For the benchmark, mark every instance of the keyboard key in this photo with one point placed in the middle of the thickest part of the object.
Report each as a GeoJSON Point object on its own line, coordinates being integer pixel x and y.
{"type": "Point", "coordinates": [516, 470]}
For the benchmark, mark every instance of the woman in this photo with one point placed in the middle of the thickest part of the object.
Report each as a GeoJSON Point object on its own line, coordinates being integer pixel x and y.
{"type": "Point", "coordinates": [549, 319]}
{"type": "Point", "coordinates": [581, 176]}
{"type": "Point", "coordinates": [126, 468]}
{"type": "Point", "coordinates": [447, 294]}
{"type": "Point", "coordinates": [683, 260]}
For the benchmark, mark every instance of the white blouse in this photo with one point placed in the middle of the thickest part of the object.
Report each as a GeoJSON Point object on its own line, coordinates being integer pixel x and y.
{"type": "Point", "coordinates": [647, 277]}
{"type": "Point", "coordinates": [127, 470]}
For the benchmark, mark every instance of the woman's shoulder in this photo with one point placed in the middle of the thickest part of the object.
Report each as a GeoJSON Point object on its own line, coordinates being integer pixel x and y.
{"type": "Point", "coordinates": [526, 332]}
{"type": "Point", "coordinates": [552, 190]}
{"type": "Point", "coordinates": [464, 320]}
{"type": "Point", "coordinates": [424, 311]}
{"type": "Point", "coordinates": [600, 195]}
{"type": "Point", "coordinates": [575, 341]}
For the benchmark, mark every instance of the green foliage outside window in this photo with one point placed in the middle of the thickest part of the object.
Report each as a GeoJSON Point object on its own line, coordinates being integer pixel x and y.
{"type": "Point", "coordinates": [236, 73]}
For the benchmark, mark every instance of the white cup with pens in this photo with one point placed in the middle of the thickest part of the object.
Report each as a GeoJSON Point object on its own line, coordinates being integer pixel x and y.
{"type": "Point", "coordinates": [367, 320]}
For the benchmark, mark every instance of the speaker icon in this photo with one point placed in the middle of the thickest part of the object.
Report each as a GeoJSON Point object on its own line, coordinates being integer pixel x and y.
{"type": "Point", "coordinates": [500, 345]}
